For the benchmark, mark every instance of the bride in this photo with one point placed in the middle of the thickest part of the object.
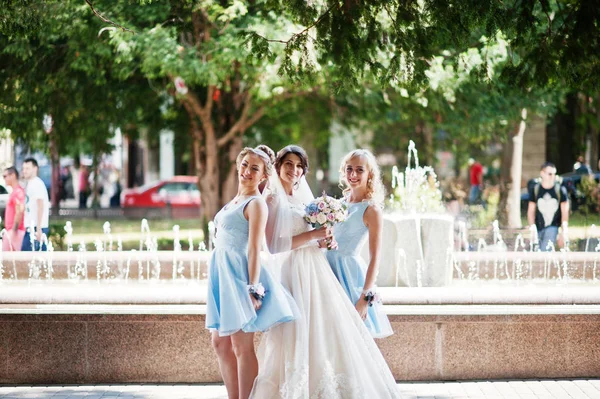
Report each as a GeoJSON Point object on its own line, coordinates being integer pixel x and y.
{"type": "Point", "coordinates": [327, 352]}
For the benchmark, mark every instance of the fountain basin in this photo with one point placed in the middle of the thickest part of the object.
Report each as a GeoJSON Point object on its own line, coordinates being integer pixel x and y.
{"type": "Point", "coordinates": [194, 293]}
{"type": "Point", "coordinates": [81, 344]}
{"type": "Point", "coordinates": [103, 328]}
{"type": "Point", "coordinates": [93, 265]}
{"type": "Point", "coordinates": [123, 331]}
{"type": "Point", "coordinates": [522, 267]}
{"type": "Point", "coordinates": [518, 267]}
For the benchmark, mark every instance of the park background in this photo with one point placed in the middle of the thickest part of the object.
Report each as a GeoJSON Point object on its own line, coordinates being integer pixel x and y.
{"type": "Point", "coordinates": [154, 89]}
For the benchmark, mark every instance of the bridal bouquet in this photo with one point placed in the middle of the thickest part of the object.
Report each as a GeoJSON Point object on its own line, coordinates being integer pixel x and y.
{"type": "Point", "coordinates": [325, 211]}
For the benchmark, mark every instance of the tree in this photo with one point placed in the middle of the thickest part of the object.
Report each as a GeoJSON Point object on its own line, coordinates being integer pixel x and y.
{"type": "Point", "coordinates": [552, 38]}
{"type": "Point", "coordinates": [62, 69]}
{"type": "Point", "coordinates": [194, 52]}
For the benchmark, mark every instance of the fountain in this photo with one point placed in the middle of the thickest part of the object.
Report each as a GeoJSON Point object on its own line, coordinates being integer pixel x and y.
{"type": "Point", "coordinates": [416, 224]}
{"type": "Point", "coordinates": [102, 275]}
{"type": "Point", "coordinates": [100, 314]}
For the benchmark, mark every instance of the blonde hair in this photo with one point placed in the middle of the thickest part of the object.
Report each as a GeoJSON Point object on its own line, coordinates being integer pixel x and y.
{"type": "Point", "coordinates": [263, 152]}
{"type": "Point", "coordinates": [375, 189]}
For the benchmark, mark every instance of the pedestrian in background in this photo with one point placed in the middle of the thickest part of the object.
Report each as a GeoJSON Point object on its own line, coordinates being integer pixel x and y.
{"type": "Point", "coordinates": [14, 212]}
{"type": "Point", "coordinates": [84, 186]}
{"type": "Point", "coordinates": [476, 180]}
{"type": "Point", "coordinates": [37, 208]}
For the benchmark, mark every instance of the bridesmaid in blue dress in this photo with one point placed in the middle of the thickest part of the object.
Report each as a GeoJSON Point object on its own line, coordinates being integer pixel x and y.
{"type": "Point", "coordinates": [360, 178]}
{"type": "Point", "coordinates": [243, 298]}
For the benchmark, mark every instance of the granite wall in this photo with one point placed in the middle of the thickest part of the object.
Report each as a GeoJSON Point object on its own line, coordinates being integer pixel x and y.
{"type": "Point", "coordinates": [172, 348]}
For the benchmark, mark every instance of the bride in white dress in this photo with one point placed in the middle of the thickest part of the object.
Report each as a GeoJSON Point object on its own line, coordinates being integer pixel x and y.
{"type": "Point", "coordinates": [327, 352]}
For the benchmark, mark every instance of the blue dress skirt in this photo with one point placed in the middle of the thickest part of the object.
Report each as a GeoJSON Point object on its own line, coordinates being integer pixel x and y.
{"type": "Point", "coordinates": [350, 268]}
{"type": "Point", "coordinates": [229, 307]}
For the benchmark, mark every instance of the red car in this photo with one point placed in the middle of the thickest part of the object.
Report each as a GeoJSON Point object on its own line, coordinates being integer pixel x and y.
{"type": "Point", "coordinates": [177, 197]}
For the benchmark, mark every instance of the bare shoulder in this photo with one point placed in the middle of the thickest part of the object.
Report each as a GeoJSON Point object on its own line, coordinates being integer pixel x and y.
{"type": "Point", "coordinates": [373, 215]}
{"type": "Point", "coordinates": [257, 206]}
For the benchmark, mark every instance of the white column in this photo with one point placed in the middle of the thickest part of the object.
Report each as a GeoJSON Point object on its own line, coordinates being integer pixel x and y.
{"type": "Point", "coordinates": [167, 154]}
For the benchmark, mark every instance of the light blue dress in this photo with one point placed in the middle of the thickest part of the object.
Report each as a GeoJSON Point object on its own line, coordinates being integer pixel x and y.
{"type": "Point", "coordinates": [350, 268]}
{"type": "Point", "coordinates": [228, 306]}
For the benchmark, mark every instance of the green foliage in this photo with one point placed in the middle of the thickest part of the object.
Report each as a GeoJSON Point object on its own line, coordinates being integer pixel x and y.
{"type": "Point", "coordinates": [65, 69]}
{"type": "Point", "coordinates": [56, 235]}
{"type": "Point", "coordinates": [482, 217]}
{"type": "Point", "coordinates": [550, 41]}
{"type": "Point", "coordinates": [21, 17]}
{"type": "Point", "coordinates": [590, 190]}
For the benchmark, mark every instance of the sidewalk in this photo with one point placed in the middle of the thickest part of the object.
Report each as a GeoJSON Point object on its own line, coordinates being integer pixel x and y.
{"type": "Point", "coordinates": [530, 389]}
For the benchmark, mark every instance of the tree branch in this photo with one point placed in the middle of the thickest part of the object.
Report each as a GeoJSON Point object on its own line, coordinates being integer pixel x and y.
{"type": "Point", "coordinates": [104, 19]}
{"type": "Point", "coordinates": [194, 102]}
{"type": "Point", "coordinates": [286, 42]}
{"type": "Point", "coordinates": [209, 99]}
{"type": "Point", "coordinates": [244, 122]}
{"type": "Point", "coordinates": [236, 126]}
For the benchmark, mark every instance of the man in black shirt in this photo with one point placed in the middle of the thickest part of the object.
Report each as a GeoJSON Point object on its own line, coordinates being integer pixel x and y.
{"type": "Point", "coordinates": [548, 207]}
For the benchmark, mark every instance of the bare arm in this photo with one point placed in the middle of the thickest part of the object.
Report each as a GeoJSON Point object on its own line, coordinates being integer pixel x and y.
{"type": "Point", "coordinates": [531, 213]}
{"type": "Point", "coordinates": [19, 210]}
{"type": "Point", "coordinates": [303, 238]}
{"type": "Point", "coordinates": [40, 213]}
{"type": "Point", "coordinates": [256, 213]}
{"type": "Point", "coordinates": [272, 244]}
{"type": "Point", "coordinates": [564, 212]}
{"type": "Point", "coordinates": [18, 216]}
{"type": "Point", "coordinates": [373, 219]}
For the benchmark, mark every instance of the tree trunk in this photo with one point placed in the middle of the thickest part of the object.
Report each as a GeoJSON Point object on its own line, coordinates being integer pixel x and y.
{"type": "Point", "coordinates": [95, 188]}
{"type": "Point", "coordinates": [55, 167]}
{"type": "Point", "coordinates": [594, 132]}
{"type": "Point", "coordinates": [513, 203]}
{"type": "Point", "coordinates": [230, 183]}
{"type": "Point", "coordinates": [505, 181]}
{"type": "Point", "coordinates": [427, 132]}
{"type": "Point", "coordinates": [208, 177]}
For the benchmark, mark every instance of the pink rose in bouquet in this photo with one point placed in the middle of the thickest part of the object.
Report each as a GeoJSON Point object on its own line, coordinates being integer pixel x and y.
{"type": "Point", "coordinates": [325, 211]}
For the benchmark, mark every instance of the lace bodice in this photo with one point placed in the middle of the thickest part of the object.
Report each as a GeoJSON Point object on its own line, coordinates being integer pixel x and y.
{"type": "Point", "coordinates": [299, 225]}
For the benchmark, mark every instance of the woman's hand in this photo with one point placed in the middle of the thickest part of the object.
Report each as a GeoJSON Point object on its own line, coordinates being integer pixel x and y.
{"type": "Point", "coordinates": [320, 233]}
{"type": "Point", "coordinates": [332, 244]}
{"type": "Point", "coordinates": [362, 307]}
{"type": "Point", "coordinates": [329, 241]}
{"type": "Point", "coordinates": [255, 302]}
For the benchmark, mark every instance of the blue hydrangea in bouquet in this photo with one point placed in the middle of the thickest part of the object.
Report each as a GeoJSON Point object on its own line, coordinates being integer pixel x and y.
{"type": "Point", "coordinates": [325, 211]}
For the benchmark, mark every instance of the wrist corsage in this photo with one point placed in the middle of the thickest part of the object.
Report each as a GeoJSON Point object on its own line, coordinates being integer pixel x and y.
{"type": "Point", "coordinates": [371, 296]}
{"type": "Point", "coordinates": [257, 291]}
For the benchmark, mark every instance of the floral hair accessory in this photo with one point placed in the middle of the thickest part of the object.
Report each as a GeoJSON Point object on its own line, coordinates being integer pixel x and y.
{"type": "Point", "coordinates": [372, 296]}
{"type": "Point", "coordinates": [257, 291]}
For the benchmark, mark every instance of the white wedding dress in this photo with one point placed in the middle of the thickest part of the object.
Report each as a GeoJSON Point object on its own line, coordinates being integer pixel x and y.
{"type": "Point", "coordinates": [327, 353]}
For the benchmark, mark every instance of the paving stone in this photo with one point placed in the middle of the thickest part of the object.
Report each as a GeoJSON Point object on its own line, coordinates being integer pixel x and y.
{"type": "Point", "coordinates": [545, 389]}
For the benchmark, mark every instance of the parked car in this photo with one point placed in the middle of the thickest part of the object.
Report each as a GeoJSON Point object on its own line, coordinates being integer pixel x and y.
{"type": "Point", "coordinates": [175, 197]}
{"type": "Point", "coordinates": [570, 181]}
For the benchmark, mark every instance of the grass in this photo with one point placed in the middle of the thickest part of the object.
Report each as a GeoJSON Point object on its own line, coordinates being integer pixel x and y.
{"type": "Point", "coordinates": [579, 219]}
{"type": "Point", "coordinates": [576, 219]}
{"type": "Point", "coordinates": [120, 226]}
{"type": "Point", "coordinates": [129, 231]}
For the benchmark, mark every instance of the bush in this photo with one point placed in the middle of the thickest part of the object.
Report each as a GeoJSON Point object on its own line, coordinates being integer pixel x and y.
{"type": "Point", "coordinates": [57, 235]}
{"type": "Point", "coordinates": [590, 191]}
